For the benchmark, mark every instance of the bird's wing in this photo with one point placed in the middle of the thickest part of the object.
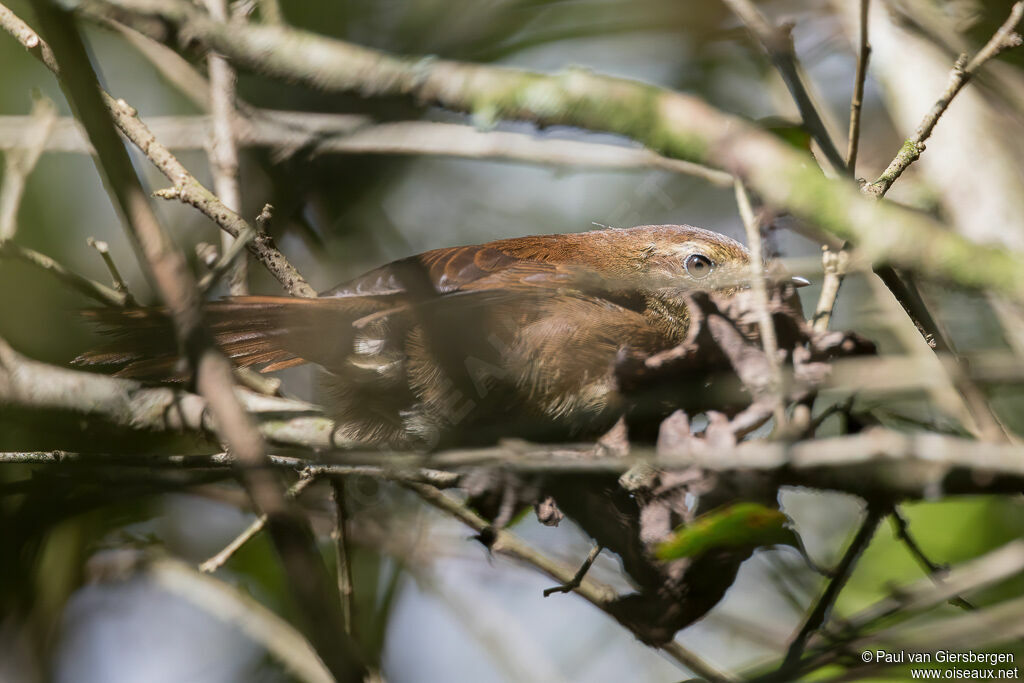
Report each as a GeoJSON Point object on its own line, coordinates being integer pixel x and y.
{"type": "Point", "coordinates": [274, 332]}
{"type": "Point", "coordinates": [461, 269]}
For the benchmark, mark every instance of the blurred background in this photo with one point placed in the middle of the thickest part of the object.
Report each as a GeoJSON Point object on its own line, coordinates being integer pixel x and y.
{"type": "Point", "coordinates": [431, 605]}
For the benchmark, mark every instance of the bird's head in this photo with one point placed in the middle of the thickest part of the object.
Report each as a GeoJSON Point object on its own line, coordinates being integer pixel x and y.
{"type": "Point", "coordinates": [681, 258]}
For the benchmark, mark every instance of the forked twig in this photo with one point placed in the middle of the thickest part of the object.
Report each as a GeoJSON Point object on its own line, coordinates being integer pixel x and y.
{"type": "Point", "coordinates": [963, 70]}
{"type": "Point", "coordinates": [217, 561]}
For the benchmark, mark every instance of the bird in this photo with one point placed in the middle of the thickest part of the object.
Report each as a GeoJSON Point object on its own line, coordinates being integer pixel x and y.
{"type": "Point", "coordinates": [521, 338]}
{"type": "Point", "coordinates": [464, 345]}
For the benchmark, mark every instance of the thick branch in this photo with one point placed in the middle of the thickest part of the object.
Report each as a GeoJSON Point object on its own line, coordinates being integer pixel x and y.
{"type": "Point", "coordinates": [877, 464]}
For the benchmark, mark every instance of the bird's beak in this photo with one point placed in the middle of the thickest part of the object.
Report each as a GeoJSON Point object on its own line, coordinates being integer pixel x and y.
{"type": "Point", "coordinates": [799, 281]}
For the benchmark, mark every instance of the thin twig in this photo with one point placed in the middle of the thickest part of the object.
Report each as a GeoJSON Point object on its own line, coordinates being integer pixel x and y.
{"type": "Point", "coordinates": [1003, 39]}
{"type": "Point", "coordinates": [578, 576]}
{"type": "Point", "coordinates": [343, 559]}
{"type": "Point", "coordinates": [857, 101]}
{"type": "Point", "coordinates": [766, 324]}
{"type": "Point", "coordinates": [902, 530]}
{"type": "Point", "coordinates": [119, 284]}
{"type": "Point", "coordinates": [778, 44]}
{"type": "Point", "coordinates": [186, 187]}
{"type": "Point", "coordinates": [90, 288]}
{"type": "Point", "coordinates": [834, 265]}
{"type": "Point", "coordinates": [233, 252]}
{"type": "Point", "coordinates": [223, 152]}
{"type": "Point", "coordinates": [217, 561]}
{"type": "Point", "coordinates": [997, 565]}
{"type": "Point", "coordinates": [985, 421]}
{"type": "Point", "coordinates": [918, 346]}
{"type": "Point", "coordinates": [421, 475]}
{"type": "Point", "coordinates": [174, 68]}
{"type": "Point", "coordinates": [18, 165]}
{"type": "Point", "coordinates": [819, 614]}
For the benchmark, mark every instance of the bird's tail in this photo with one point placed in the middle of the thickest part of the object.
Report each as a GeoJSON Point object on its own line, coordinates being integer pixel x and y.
{"type": "Point", "coordinates": [270, 332]}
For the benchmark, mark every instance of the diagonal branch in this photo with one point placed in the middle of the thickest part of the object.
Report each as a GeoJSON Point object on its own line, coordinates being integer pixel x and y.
{"type": "Point", "coordinates": [507, 543]}
{"type": "Point", "coordinates": [90, 288]}
{"type": "Point", "coordinates": [778, 45]}
{"type": "Point", "coordinates": [816, 619]}
{"type": "Point", "coordinates": [186, 187]}
{"type": "Point", "coordinates": [289, 532]}
{"type": "Point", "coordinates": [18, 164]}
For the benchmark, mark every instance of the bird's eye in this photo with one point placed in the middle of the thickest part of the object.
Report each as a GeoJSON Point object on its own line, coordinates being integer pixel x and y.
{"type": "Point", "coordinates": [698, 266]}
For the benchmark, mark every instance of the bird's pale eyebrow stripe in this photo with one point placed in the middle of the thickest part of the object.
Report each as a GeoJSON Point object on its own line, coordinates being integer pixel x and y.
{"type": "Point", "coordinates": [687, 248]}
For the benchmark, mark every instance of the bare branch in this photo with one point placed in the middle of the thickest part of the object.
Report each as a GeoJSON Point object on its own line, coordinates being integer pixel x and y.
{"type": "Point", "coordinates": [187, 188]}
{"type": "Point", "coordinates": [217, 561]}
{"type": "Point", "coordinates": [120, 286]}
{"type": "Point", "coordinates": [840, 576]}
{"type": "Point", "coordinates": [223, 152]}
{"type": "Point", "coordinates": [342, 554]}
{"type": "Point", "coordinates": [90, 288]}
{"type": "Point", "coordinates": [242, 611]}
{"type": "Point", "coordinates": [834, 265]}
{"type": "Point", "coordinates": [228, 261]}
{"type": "Point", "coordinates": [18, 164]}
{"type": "Point", "coordinates": [578, 576]}
{"type": "Point", "coordinates": [857, 101]}
{"type": "Point", "coordinates": [901, 529]}
{"type": "Point", "coordinates": [176, 69]}
{"type": "Point", "coordinates": [997, 565]}
{"type": "Point", "coordinates": [876, 464]}
{"type": "Point", "coordinates": [766, 324]}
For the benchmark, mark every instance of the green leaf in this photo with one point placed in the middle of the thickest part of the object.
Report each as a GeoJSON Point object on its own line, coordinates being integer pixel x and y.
{"type": "Point", "coordinates": [739, 525]}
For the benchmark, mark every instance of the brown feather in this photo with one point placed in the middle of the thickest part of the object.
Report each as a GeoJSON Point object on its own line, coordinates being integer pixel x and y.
{"type": "Point", "coordinates": [515, 337]}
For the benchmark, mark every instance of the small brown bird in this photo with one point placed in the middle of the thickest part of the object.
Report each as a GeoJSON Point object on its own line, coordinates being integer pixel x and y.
{"type": "Point", "coordinates": [512, 338]}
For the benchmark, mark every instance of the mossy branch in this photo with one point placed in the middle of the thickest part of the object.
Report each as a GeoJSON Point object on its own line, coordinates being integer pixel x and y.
{"type": "Point", "coordinates": [671, 123]}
